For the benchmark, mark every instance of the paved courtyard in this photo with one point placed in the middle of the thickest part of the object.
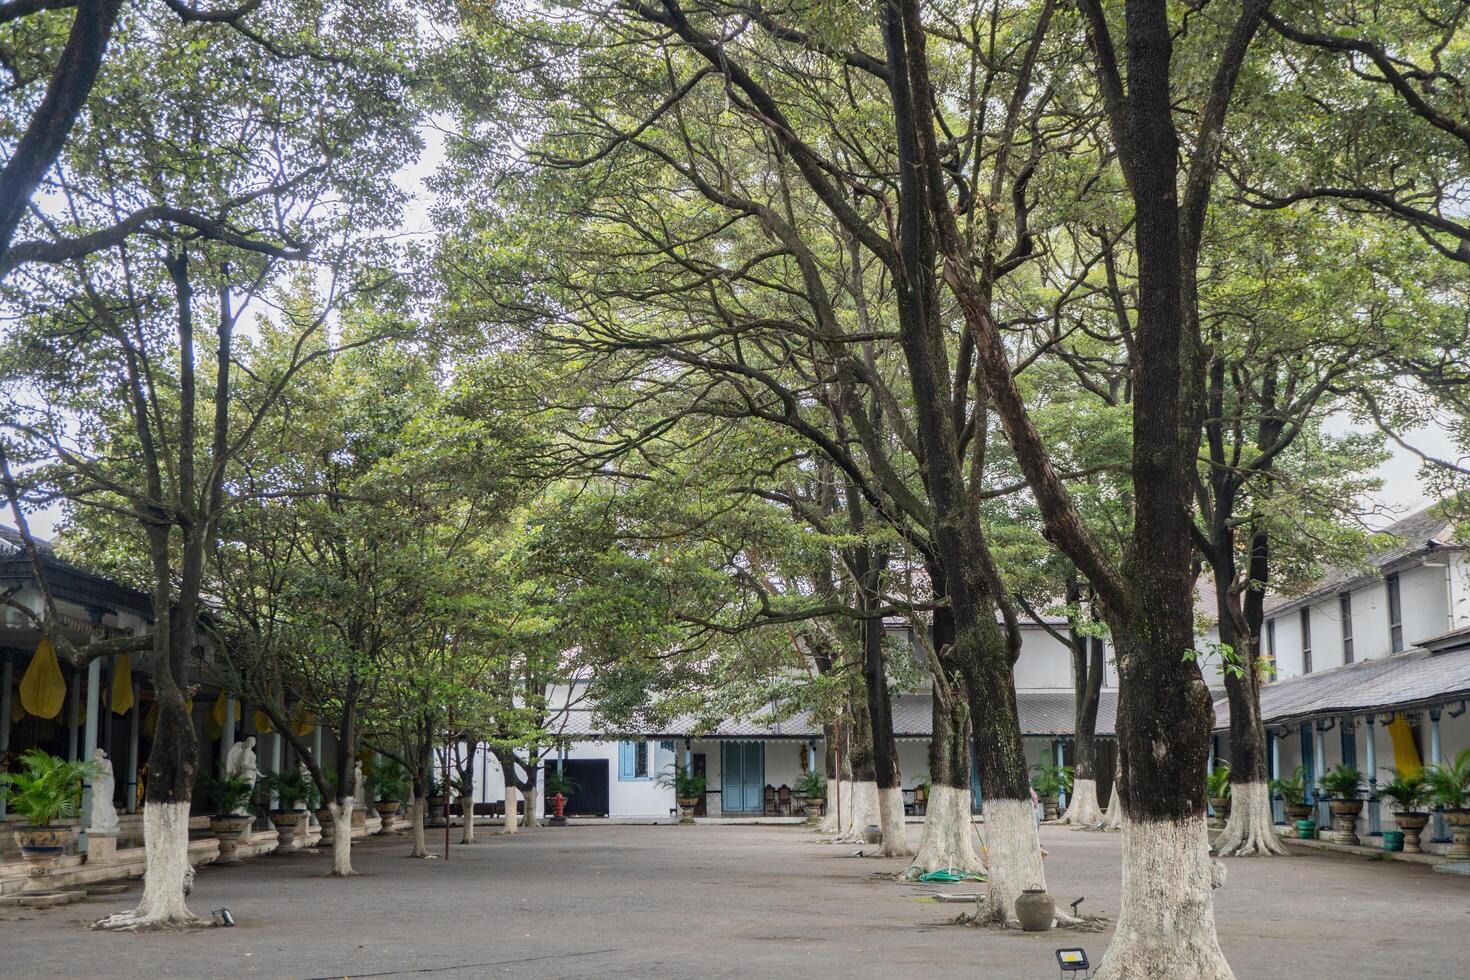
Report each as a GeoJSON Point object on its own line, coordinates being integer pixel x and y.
{"type": "Point", "coordinates": [630, 901]}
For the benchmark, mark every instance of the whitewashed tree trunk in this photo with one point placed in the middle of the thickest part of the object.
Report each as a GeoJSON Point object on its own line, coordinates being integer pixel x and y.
{"type": "Point", "coordinates": [1082, 807]}
{"type": "Point", "coordinates": [467, 812]}
{"type": "Point", "coordinates": [863, 813]}
{"type": "Point", "coordinates": [1251, 829]}
{"type": "Point", "coordinates": [948, 840]}
{"type": "Point", "coordinates": [1166, 925]}
{"type": "Point", "coordinates": [166, 861]}
{"type": "Point", "coordinates": [838, 817]}
{"type": "Point", "coordinates": [342, 842]}
{"type": "Point", "coordinates": [1012, 858]}
{"type": "Point", "coordinates": [890, 819]}
{"type": "Point", "coordinates": [420, 840]}
{"type": "Point", "coordinates": [1113, 819]}
{"type": "Point", "coordinates": [512, 793]}
{"type": "Point", "coordinates": [529, 820]}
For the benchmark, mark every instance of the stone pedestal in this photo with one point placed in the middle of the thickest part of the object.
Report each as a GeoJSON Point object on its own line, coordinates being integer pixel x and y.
{"type": "Point", "coordinates": [1411, 824]}
{"type": "Point", "coordinates": [1345, 820]}
{"type": "Point", "coordinates": [1459, 821]}
{"type": "Point", "coordinates": [101, 847]}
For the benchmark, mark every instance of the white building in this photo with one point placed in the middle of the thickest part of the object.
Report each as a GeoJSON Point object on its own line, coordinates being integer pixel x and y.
{"type": "Point", "coordinates": [1373, 667]}
{"type": "Point", "coordinates": [616, 774]}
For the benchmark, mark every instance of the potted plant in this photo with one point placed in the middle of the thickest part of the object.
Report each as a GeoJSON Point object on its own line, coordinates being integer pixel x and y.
{"type": "Point", "coordinates": [688, 789]}
{"type": "Point", "coordinates": [1342, 784]}
{"type": "Point", "coordinates": [558, 786]}
{"type": "Point", "coordinates": [1407, 794]}
{"type": "Point", "coordinates": [294, 791]}
{"type": "Point", "coordinates": [813, 786]}
{"type": "Point", "coordinates": [388, 782]}
{"type": "Point", "coordinates": [47, 789]}
{"type": "Point", "coordinates": [435, 797]}
{"type": "Point", "coordinates": [1293, 793]}
{"type": "Point", "coordinates": [1217, 788]}
{"type": "Point", "coordinates": [1050, 783]}
{"type": "Point", "coordinates": [1447, 783]}
{"type": "Point", "coordinates": [232, 817]}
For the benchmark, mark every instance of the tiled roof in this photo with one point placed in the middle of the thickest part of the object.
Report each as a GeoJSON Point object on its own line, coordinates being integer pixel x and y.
{"type": "Point", "coordinates": [1420, 532]}
{"type": "Point", "coordinates": [1043, 713]}
{"type": "Point", "coordinates": [1416, 678]}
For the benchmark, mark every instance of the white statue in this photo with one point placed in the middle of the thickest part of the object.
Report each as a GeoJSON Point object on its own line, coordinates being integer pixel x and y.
{"type": "Point", "coordinates": [359, 790]}
{"type": "Point", "coordinates": [241, 764]}
{"type": "Point", "coordinates": [104, 814]}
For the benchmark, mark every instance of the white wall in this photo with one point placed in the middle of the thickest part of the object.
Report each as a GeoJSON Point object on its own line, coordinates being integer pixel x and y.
{"type": "Point", "coordinates": [1046, 662]}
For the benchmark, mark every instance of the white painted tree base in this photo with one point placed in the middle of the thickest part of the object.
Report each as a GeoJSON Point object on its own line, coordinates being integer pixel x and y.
{"type": "Point", "coordinates": [1113, 819]}
{"type": "Point", "coordinates": [839, 809]}
{"type": "Point", "coordinates": [166, 862]}
{"type": "Point", "coordinates": [342, 843]}
{"type": "Point", "coordinates": [1166, 926]}
{"type": "Point", "coordinates": [890, 819]}
{"type": "Point", "coordinates": [529, 820]}
{"type": "Point", "coordinates": [1251, 829]}
{"type": "Point", "coordinates": [864, 812]}
{"type": "Point", "coordinates": [512, 795]}
{"type": "Point", "coordinates": [1082, 807]}
{"type": "Point", "coordinates": [420, 840]}
{"type": "Point", "coordinates": [1012, 855]}
{"type": "Point", "coordinates": [948, 840]}
{"type": "Point", "coordinates": [467, 814]}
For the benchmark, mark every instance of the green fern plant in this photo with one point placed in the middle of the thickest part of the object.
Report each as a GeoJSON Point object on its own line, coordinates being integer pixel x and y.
{"type": "Point", "coordinates": [1406, 790]}
{"type": "Point", "coordinates": [389, 781]}
{"type": "Point", "coordinates": [293, 789]}
{"type": "Point", "coordinates": [47, 788]}
{"type": "Point", "coordinates": [1293, 789]}
{"type": "Point", "coordinates": [1217, 781]}
{"type": "Point", "coordinates": [1052, 780]}
{"type": "Point", "coordinates": [1449, 781]}
{"type": "Point", "coordinates": [1342, 781]}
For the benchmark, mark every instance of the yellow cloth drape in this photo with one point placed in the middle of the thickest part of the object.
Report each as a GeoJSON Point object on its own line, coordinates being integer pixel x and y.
{"type": "Point", "coordinates": [214, 724]}
{"type": "Point", "coordinates": [262, 722]}
{"type": "Point", "coordinates": [42, 689]}
{"type": "Point", "coordinates": [122, 685]}
{"type": "Point", "coordinates": [1405, 751]}
{"type": "Point", "coordinates": [302, 722]}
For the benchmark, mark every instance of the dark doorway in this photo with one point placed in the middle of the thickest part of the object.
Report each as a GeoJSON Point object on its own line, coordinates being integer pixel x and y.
{"type": "Point", "coordinates": [589, 794]}
{"type": "Point", "coordinates": [699, 763]}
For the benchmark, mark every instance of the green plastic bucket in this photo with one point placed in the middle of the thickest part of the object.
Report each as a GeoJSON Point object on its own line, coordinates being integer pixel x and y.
{"type": "Point", "coordinates": [1393, 840]}
{"type": "Point", "coordinates": [1306, 829]}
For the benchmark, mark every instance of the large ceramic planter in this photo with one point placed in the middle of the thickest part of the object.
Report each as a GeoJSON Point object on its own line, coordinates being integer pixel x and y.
{"type": "Point", "coordinates": [1036, 910]}
{"type": "Point", "coordinates": [386, 809]}
{"type": "Point", "coordinates": [814, 808]}
{"type": "Point", "coordinates": [1411, 823]}
{"type": "Point", "coordinates": [1221, 805]}
{"type": "Point", "coordinates": [43, 848]}
{"type": "Point", "coordinates": [288, 824]}
{"type": "Point", "coordinates": [1296, 812]}
{"type": "Point", "coordinates": [1459, 821]}
{"type": "Point", "coordinates": [437, 805]}
{"type": "Point", "coordinates": [327, 824]}
{"type": "Point", "coordinates": [1345, 820]}
{"type": "Point", "coordinates": [228, 828]}
{"type": "Point", "coordinates": [686, 809]}
{"type": "Point", "coordinates": [1049, 808]}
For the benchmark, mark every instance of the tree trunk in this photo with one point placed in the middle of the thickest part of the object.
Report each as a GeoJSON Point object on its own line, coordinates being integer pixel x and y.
{"type": "Point", "coordinates": [880, 712]}
{"type": "Point", "coordinates": [420, 839]}
{"type": "Point", "coordinates": [864, 809]}
{"type": "Point", "coordinates": [342, 836]}
{"type": "Point", "coordinates": [467, 812]}
{"type": "Point", "coordinates": [1089, 660]}
{"type": "Point", "coordinates": [1113, 819]}
{"type": "Point", "coordinates": [511, 794]}
{"type": "Point", "coordinates": [948, 840]}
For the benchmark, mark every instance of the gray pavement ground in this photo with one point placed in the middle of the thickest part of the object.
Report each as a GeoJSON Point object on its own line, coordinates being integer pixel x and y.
{"type": "Point", "coordinates": [748, 902]}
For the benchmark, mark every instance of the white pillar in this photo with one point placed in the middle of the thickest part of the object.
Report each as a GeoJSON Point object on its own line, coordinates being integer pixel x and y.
{"type": "Point", "coordinates": [73, 709]}
{"type": "Point", "coordinates": [137, 723]}
{"type": "Point", "coordinates": [7, 676]}
{"type": "Point", "coordinates": [1374, 830]}
{"type": "Point", "coordinates": [1319, 749]}
{"type": "Point", "coordinates": [1434, 760]}
{"type": "Point", "coordinates": [227, 734]}
{"type": "Point", "coordinates": [275, 765]}
{"type": "Point", "coordinates": [89, 737]}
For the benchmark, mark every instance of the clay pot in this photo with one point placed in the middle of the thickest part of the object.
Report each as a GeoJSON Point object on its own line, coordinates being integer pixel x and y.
{"type": "Point", "coordinates": [1459, 821]}
{"type": "Point", "coordinates": [1411, 823]}
{"type": "Point", "coordinates": [1036, 910]}
{"type": "Point", "coordinates": [686, 809]}
{"type": "Point", "coordinates": [1049, 807]}
{"type": "Point", "coordinates": [387, 808]}
{"type": "Point", "coordinates": [814, 807]}
{"type": "Point", "coordinates": [288, 824]}
{"type": "Point", "coordinates": [1221, 805]}
{"type": "Point", "coordinates": [42, 848]}
{"type": "Point", "coordinates": [1345, 820]}
{"type": "Point", "coordinates": [873, 834]}
{"type": "Point", "coordinates": [228, 828]}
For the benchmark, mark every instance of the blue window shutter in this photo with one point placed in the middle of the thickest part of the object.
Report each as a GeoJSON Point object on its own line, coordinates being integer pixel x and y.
{"type": "Point", "coordinates": [625, 760]}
